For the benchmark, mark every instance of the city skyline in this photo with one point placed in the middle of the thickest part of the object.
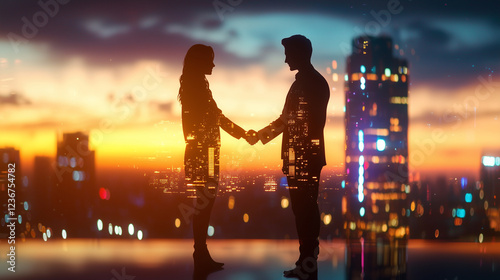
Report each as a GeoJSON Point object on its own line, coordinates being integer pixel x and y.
{"type": "Point", "coordinates": [123, 91]}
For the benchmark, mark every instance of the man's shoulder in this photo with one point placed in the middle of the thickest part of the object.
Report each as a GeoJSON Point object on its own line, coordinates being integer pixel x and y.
{"type": "Point", "coordinates": [320, 83]}
{"type": "Point", "coordinates": [312, 76]}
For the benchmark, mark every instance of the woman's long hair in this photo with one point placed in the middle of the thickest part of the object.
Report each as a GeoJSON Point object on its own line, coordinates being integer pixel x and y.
{"type": "Point", "coordinates": [193, 81]}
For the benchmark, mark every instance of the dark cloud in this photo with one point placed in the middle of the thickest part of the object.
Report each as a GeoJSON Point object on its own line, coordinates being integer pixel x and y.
{"type": "Point", "coordinates": [14, 99]}
{"type": "Point", "coordinates": [432, 37]}
{"type": "Point", "coordinates": [114, 32]}
{"type": "Point", "coordinates": [441, 59]}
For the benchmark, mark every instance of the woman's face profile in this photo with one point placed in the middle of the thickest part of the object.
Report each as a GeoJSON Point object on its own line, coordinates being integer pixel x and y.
{"type": "Point", "coordinates": [207, 66]}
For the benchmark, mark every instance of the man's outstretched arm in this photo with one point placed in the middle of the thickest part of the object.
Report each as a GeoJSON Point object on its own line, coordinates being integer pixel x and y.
{"type": "Point", "coordinates": [274, 129]}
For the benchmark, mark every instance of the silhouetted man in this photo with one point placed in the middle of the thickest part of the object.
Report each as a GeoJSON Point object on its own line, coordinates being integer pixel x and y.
{"type": "Point", "coordinates": [303, 149]}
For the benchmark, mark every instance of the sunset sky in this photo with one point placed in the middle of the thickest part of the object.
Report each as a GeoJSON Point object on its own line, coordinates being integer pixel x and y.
{"type": "Point", "coordinates": [112, 69]}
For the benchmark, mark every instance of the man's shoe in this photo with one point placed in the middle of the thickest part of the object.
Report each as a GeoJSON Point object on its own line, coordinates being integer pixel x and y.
{"type": "Point", "coordinates": [203, 260]}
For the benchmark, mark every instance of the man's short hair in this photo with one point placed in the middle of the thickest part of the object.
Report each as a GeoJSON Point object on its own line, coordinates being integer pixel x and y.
{"type": "Point", "coordinates": [299, 45]}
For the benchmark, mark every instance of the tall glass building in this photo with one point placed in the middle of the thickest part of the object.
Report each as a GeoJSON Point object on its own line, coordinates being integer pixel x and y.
{"type": "Point", "coordinates": [376, 141]}
{"type": "Point", "coordinates": [489, 190]}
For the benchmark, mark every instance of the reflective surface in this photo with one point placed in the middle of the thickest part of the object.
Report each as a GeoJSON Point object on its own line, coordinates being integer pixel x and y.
{"type": "Point", "coordinates": [249, 259]}
{"type": "Point", "coordinates": [376, 259]}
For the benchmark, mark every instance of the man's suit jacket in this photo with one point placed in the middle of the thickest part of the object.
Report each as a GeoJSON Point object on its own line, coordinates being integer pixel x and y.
{"type": "Point", "coordinates": [302, 123]}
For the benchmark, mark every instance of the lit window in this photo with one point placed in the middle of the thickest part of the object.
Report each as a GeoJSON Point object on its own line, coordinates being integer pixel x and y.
{"type": "Point", "coordinates": [361, 178]}
{"type": "Point", "coordinates": [361, 144]}
{"type": "Point", "coordinates": [211, 162]}
{"type": "Point", "coordinates": [327, 219]}
{"type": "Point", "coordinates": [399, 100]}
{"type": "Point", "coordinates": [72, 162]}
{"type": "Point", "coordinates": [468, 197]}
{"type": "Point", "coordinates": [463, 182]}
{"type": "Point", "coordinates": [361, 196]}
{"type": "Point", "coordinates": [380, 145]}
{"type": "Point", "coordinates": [395, 127]}
{"type": "Point", "coordinates": [76, 176]}
{"type": "Point", "coordinates": [488, 161]}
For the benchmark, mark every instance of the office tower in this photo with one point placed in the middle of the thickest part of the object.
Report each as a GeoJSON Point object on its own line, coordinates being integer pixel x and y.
{"type": "Point", "coordinates": [10, 161]}
{"type": "Point", "coordinates": [42, 194]}
{"type": "Point", "coordinates": [376, 141]}
{"type": "Point", "coordinates": [75, 189]}
{"type": "Point", "coordinates": [490, 182]}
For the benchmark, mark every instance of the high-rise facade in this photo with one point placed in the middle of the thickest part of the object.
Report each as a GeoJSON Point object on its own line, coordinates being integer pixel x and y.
{"type": "Point", "coordinates": [376, 141]}
{"type": "Point", "coordinates": [75, 189]}
{"type": "Point", "coordinates": [490, 187]}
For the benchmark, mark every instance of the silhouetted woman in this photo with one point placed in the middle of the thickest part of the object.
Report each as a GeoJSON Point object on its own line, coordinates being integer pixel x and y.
{"type": "Point", "coordinates": [201, 119]}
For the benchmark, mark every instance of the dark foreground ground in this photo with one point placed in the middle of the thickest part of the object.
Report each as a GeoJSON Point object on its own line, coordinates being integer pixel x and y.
{"type": "Point", "coordinates": [247, 260]}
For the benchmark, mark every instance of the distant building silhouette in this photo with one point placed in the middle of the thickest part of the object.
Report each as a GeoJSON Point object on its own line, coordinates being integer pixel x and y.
{"type": "Point", "coordinates": [43, 192]}
{"type": "Point", "coordinates": [8, 156]}
{"type": "Point", "coordinates": [75, 189]}
{"type": "Point", "coordinates": [376, 142]}
{"type": "Point", "coordinates": [490, 179]}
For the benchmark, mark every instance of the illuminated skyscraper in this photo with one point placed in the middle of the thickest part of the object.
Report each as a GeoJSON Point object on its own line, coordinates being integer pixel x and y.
{"type": "Point", "coordinates": [376, 141]}
{"type": "Point", "coordinates": [76, 192]}
{"type": "Point", "coordinates": [490, 182]}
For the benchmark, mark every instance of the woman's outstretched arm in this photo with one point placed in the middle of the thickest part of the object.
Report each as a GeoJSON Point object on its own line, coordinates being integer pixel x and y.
{"type": "Point", "coordinates": [230, 127]}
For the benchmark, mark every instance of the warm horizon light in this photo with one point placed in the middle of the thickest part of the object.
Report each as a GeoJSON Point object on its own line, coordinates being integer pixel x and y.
{"type": "Point", "coordinates": [124, 93]}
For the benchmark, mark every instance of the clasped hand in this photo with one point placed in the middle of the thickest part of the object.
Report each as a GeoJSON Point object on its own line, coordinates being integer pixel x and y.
{"type": "Point", "coordinates": [251, 137]}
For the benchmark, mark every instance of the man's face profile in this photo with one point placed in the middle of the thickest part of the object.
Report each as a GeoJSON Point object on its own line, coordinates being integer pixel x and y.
{"type": "Point", "coordinates": [291, 59]}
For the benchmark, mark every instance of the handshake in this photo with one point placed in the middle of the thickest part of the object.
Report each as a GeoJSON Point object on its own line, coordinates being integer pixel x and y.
{"type": "Point", "coordinates": [251, 136]}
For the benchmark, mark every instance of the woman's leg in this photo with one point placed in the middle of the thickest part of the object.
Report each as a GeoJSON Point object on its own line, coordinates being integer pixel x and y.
{"type": "Point", "coordinates": [203, 208]}
{"type": "Point", "coordinates": [204, 204]}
